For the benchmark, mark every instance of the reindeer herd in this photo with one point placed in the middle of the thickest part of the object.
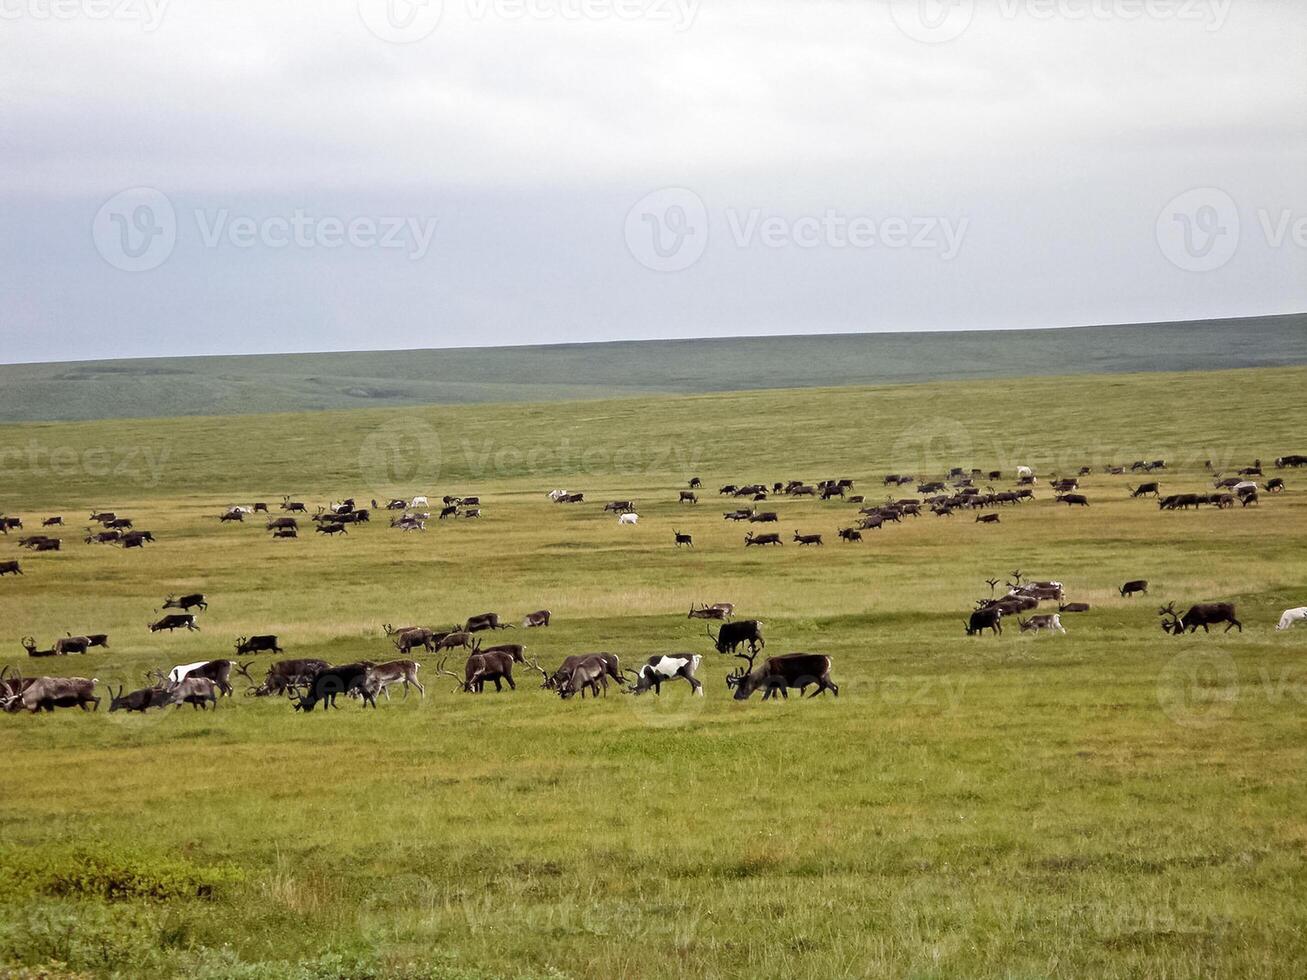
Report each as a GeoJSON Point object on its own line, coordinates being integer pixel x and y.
{"type": "Point", "coordinates": [308, 683]}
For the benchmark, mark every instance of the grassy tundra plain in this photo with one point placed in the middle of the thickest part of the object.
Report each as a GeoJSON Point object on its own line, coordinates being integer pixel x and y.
{"type": "Point", "coordinates": [1116, 802]}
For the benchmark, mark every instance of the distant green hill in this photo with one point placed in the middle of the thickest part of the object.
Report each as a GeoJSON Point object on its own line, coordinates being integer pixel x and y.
{"type": "Point", "coordinates": [225, 385]}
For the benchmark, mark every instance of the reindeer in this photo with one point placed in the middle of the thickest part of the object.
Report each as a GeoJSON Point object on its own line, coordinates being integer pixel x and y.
{"type": "Point", "coordinates": [293, 506]}
{"type": "Point", "coordinates": [193, 600]}
{"type": "Point", "coordinates": [611, 666]}
{"type": "Point", "coordinates": [1139, 585]}
{"type": "Point", "coordinates": [850, 535]}
{"type": "Point", "coordinates": [1203, 614]}
{"type": "Point", "coordinates": [807, 539]}
{"type": "Point", "coordinates": [683, 539]}
{"type": "Point", "coordinates": [29, 644]}
{"type": "Point", "coordinates": [689, 497]}
{"type": "Point", "coordinates": [405, 672]}
{"type": "Point", "coordinates": [779, 674]}
{"type": "Point", "coordinates": [751, 539]}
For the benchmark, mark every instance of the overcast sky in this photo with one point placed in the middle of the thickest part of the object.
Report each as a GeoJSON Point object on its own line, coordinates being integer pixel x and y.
{"type": "Point", "coordinates": [240, 176]}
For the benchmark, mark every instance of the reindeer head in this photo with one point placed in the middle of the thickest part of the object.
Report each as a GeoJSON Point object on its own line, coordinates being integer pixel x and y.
{"type": "Point", "coordinates": [29, 643]}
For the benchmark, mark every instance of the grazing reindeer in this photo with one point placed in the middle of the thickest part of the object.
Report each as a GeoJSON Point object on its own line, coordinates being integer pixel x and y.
{"type": "Point", "coordinates": [1073, 607]}
{"type": "Point", "coordinates": [1045, 621]}
{"type": "Point", "coordinates": [1292, 616]}
{"type": "Point", "coordinates": [611, 665]}
{"type": "Point", "coordinates": [48, 693]}
{"type": "Point", "coordinates": [662, 668]}
{"type": "Point", "coordinates": [327, 684]}
{"type": "Point", "coordinates": [174, 621]}
{"type": "Point", "coordinates": [586, 673]}
{"type": "Point", "coordinates": [536, 619]}
{"type": "Point", "coordinates": [141, 700]}
{"type": "Point", "coordinates": [689, 497]}
{"type": "Point", "coordinates": [1203, 614]}
{"type": "Point", "coordinates": [265, 642]}
{"type": "Point", "coordinates": [1139, 585]}
{"type": "Point", "coordinates": [989, 618]}
{"type": "Point", "coordinates": [779, 674]}
{"type": "Point", "coordinates": [1145, 490]}
{"type": "Point", "coordinates": [731, 636]}
{"type": "Point", "coordinates": [29, 644]}
{"type": "Point", "coordinates": [412, 637]}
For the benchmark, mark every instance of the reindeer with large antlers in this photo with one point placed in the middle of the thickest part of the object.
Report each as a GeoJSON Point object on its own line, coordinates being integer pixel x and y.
{"type": "Point", "coordinates": [1203, 614]}
{"type": "Point", "coordinates": [779, 674]}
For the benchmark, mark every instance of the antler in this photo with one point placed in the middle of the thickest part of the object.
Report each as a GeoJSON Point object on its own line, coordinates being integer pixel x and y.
{"type": "Point", "coordinates": [441, 669]}
{"type": "Point", "coordinates": [1167, 610]}
{"type": "Point", "coordinates": [244, 670]}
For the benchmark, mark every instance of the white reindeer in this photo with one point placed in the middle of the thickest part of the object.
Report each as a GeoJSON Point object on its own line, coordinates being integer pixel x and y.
{"type": "Point", "coordinates": [1292, 616]}
{"type": "Point", "coordinates": [628, 519]}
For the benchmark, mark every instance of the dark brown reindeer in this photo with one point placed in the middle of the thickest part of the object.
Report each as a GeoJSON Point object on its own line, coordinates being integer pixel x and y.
{"type": "Point", "coordinates": [780, 674]}
{"type": "Point", "coordinates": [29, 644]}
{"type": "Point", "coordinates": [683, 539]}
{"type": "Point", "coordinates": [282, 524]}
{"type": "Point", "coordinates": [1133, 587]}
{"type": "Point", "coordinates": [10, 568]}
{"type": "Point", "coordinates": [807, 539]}
{"type": "Point", "coordinates": [194, 600]}
{"type": "Point", "coordinates": [262, 643]}
{"type": "Point", "coordinates": [1203, 614]}
{"type": "Point", "coordinates": [140, 700]}
{"type": "Point", "coordinates": [987, 618]}
{"type": "Point", "coordinates": [751, 539]}
{"type": "Point", "coordinates": [294, 506]}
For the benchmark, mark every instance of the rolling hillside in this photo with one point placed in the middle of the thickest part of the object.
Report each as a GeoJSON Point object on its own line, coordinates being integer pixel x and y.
{"type": "Point", "coordinates": [224, 385]}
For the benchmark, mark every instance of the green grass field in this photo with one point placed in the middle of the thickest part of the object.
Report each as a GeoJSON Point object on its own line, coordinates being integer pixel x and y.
{"type": "Point", "coordinates": [1116, 802]}
{"type": "Point", "coordinates": [221, 385]}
